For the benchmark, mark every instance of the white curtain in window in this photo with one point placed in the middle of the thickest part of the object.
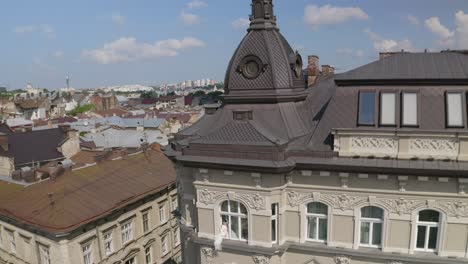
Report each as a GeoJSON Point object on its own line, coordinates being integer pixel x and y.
{"type": "Point", "coordinates": [454, 109]}
{"type": "Point", "coordinates": [387, 109]}
{"type": "Point", "coordinates": [410, 109]}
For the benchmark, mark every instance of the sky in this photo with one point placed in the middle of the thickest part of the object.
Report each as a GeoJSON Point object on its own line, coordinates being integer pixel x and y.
{"type": "Point", "coordinates": [150, 42]}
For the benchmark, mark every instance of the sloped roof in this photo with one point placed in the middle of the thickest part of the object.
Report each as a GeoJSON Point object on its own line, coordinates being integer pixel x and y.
{"type": "Point", "coordinates": [412, 66]}
{"type": "Point", "coordinates": [84, 195]}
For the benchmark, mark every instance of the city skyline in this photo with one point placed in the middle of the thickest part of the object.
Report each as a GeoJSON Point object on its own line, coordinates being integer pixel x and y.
{"type": "Point", "coordinates": [125, 43]}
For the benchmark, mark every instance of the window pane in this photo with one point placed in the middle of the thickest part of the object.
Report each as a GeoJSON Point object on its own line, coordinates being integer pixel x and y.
{"type": "Point", "coordinates": [433, 237]}
{"type": "Point", "coordinates": [377, 234]}
{"type": "Point", "coordinates": [366, 108]}
{"type": "Point", "coordinates": [387, 108]}
{"type": "Point", "coordinates": [365, 232]}
{"type": "Point", "coordinates": [224, 206]}
{"type": "Point", "coordinates": [410, 109]}
{"type": "Point", "coordinates": [234, 207]}
{"type": "Point", "coordinates": [323, 229]}
{"type": "Point", "coordinates": [245, 229]}
{"type": "Point", "coordinates": [273, 230]}
{"type": "Point", "coordinates": [372, 212]}
{"type": "Point", "coordinates": [454, 109]}
{"type": "Point", "coordinates": [421, 237]}
{"type": "Point", "coordinates": [234, 227]}
{"type": "Point", "coordinates": [429, 216]}
{"type": "Point", "coordinates": [312, 227]}
{"type": "Point", "coordinates": [243, 209]}
{"type": "Point", "coordinates": [273, 209]}
{"type": "Point", "coordinates": [317, 208]}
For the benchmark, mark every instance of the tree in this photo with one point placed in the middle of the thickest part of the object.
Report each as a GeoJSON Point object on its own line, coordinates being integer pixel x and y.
{"type": "Point", "coordinates": [81, 109]}
{"type": "Point", "coordinates": [149, 95]}
{"type": "Point", "coordinates": [199, 93]}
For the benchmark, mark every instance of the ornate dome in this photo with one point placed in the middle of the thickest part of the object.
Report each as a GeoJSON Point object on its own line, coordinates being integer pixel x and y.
{"type": "Point", "coordinates": [264, 68]}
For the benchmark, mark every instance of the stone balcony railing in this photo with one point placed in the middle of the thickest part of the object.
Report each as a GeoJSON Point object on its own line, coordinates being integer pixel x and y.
{"type": "Point", "coordinates": [423, 145]}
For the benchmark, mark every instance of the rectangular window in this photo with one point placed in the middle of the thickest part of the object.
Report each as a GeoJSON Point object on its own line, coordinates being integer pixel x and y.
{"type": "Point", "coordinates": [274, 223]}
{"type": "Point", "coordinates": [176, 236]}
{"type": "Point", "coordinates": [454, 110]}
{"type": "Point", "coordinates": [145, 217]}
{"type": "Point", "coordinates": [162, 214]}
{"type": "Point", "coordinates": [127, 232]}
{"type": "Point", "coordinates": [367, 108]}
{"type": "Point", "coordinates": [174, 204]}
{"type": "Point", "coordinates": [410, 109]}
{"type": "Point", "coordinates": [165, 245]}
{"type": "Point", "coordinates": [148, 255]}
{"type": "Point", "coordinates": [87, 254]}
{"type": "Point", "coordinates": [44, 256]}
{"type": "Point", "coordinates": [11, 239]}
{"type": "Point", "coordinates": [388, 109]}
{"type": "Point", "coordinates": [108, 245]}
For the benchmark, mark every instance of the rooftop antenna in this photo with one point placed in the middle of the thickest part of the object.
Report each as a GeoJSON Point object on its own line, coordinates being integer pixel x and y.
{"type": "Point", "coordinates": [68, 82]}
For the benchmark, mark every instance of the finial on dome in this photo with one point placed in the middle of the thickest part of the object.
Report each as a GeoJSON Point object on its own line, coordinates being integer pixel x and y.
{"type": "Point", "coordinates": [262, 16]}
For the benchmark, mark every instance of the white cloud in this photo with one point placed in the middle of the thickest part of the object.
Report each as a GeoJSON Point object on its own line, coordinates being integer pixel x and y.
{"type": "Point", "coordinates": [189, 18]}
{"type": "Point", "coordinates": [413, 20]}
{"type": "Point", "coordinates": [241, 23]}
{"type": "Point", "coordinates": [45, 30]}
{"type": "Point", "coordinates": [461, 20]}
{"type": "Point", "coordinates": [446, 37]}
{"type": "Point", "coordinates": [196, 4]}
{"type": "Point", "coordinates": [315, 16]}
{"type": "Point", "coordinates": [118, 19]}
{"type": "Point", "coordinates": [359, 53]}
{"type": "Point", "coordinates": [128, 49]}
{"type": "Point", "coordinates": [59, 54]}
{"type": "Point", "coordinates": [387, 45]}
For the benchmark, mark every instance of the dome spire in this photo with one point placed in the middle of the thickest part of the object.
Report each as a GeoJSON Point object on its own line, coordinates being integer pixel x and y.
{"type": "Point", "coordinates": [262, 15]}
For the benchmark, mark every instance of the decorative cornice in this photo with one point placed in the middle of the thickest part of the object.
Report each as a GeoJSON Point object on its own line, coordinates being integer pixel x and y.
{"type": "Point", "coordinates": [253, 201]}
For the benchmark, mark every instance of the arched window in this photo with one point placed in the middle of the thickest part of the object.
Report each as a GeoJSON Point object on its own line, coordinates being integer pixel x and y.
{"type": "Point", "coordinates": [427, 230]}
{"type": "Point", "coordinates": [234, 217]}
{"type": "Point", "coordinates": [371, 226]}
{"type": "Point", "coordinates": [317, 221]}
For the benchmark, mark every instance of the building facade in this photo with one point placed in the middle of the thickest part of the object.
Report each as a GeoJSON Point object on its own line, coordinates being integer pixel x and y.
{"type": "Point", "coordinates": [99, 213]}
{"type": "Point", "coordinates": [367, 166]}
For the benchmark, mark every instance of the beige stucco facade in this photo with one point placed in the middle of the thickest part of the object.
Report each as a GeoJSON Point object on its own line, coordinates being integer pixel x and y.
{"type": "Point", "coordinates": [70, 250]}
{"type": "Point", "coordinates": [400, 197]}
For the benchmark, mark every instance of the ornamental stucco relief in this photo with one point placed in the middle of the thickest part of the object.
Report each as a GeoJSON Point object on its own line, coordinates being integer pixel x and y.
{"type": "Point", "coordinates": [401, 206]}
{"type": "Point", "coordinates": [395, 262]}
{"type": "Point", "coordinates": [208, 252]}
{"type": "Point", "coordinates": [434, 146]}
{"type": "Point", "coordinates": [260, 259]}
{"type": "Point", "coordinates": [374, 144]}
{"type": "Point", "coordinates": [342, 260]}
{"type": "Point", "coordinates": [255, 201]}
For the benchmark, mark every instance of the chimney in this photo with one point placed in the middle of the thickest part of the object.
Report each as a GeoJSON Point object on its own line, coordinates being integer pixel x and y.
{"type": "Point", "coordinates": [383, 55]}
{"type": "Point", "coordinates": [4, 141]}
{"type": "Point", "coordinates": [98, 158]}
{"type": "Point", "coordinates": [328, 70]}
{"type": "Point", "coordinates": [312, 69]}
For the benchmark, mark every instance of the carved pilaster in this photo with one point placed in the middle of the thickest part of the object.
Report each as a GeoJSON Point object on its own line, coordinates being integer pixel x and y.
{"type": "Point", "coordinates": [208, 252]}
{"type": "Point", "coordinates": [261, 259]}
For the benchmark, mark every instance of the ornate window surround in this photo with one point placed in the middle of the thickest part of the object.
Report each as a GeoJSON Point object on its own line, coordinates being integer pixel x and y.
{"type": "Point", "coordinates": [303, 226]}
{"type": "Point", "coordinates": [218, 220]}
{"type": "Point", "coordinates": [441, 232]}
{"type": "Point", "coordinates": [357, 226]}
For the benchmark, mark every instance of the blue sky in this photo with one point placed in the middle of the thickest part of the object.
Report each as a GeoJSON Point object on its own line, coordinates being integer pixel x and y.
{"type": "Point", "coordinates": [111, 42]}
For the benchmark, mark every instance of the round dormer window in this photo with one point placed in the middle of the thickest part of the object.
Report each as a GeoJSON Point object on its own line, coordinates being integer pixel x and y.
{"type": "Point", "coordinates": [251, 67]}
{"type": "Point", "coordinates": [298, 65]}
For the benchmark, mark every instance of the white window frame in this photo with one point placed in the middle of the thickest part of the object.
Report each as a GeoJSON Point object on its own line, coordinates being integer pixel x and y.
{"type": "Point", "coordinates": [87, 251]}
{"type": "Point", "coordinates": [145, 221]}
{"type": "Point", "coordinates": [448, 114]}
{"type": "Point", "coordinates": [428, 226]}
{"type": "Point", "coordinates": [12, 240]}
{"type": "Point", "coordinates": [381, 115]}
{"type": "Point", "coordinates": [127, 232]}
{"type": "Point", "coordinates": [108, 240]}
{"type": "Point", "coordinates": [274, 221]}
{"type": "Point", "coordinates": [174, 204]}
{"type": "Point", "coordinates": [162, 214]}
{"type": "Point", "coordinates": [44, 255]}
{"type": "Point", "coordinates": [239, 217]}
{"type": "Point", "coordinates": [317, 224]}
{"type": "Point", "coordinates": [149, 253]}
{"type": "Point", "coordinates": [371, 222]}
{"type": "Point", "coordinates": [404, 110]}
{"type": "Point", "coordinates": [164, 245]}
{"type": "Point", "coordinates": [176, 237]}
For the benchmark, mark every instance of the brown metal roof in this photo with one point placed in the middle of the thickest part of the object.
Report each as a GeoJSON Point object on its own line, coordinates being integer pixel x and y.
{"type": "Point", "coordinates": [81, 196]}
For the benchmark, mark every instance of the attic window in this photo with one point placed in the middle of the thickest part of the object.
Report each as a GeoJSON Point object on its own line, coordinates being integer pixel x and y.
{"type": "Point", "coordinates": [387, 109]}
{"type": "Point", "coordinates": [367, 108]}
{"type": "Point", "coordinates": [410, 109]}
{"type": "Point", "coordinates": [242, 115]}
{"type": "Point", "coordinates": [454, 106]}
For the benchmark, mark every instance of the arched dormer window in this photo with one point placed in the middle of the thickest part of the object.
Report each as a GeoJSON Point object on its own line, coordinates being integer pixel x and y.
{"type": "Point", "coordinates": [372, 219]}
{"type": "Point", "coordinates": [317, 222]}
{"type": "Point", "coordinates": [427, 230]}
{"type": "Point", "coordinates": [235, 220]}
